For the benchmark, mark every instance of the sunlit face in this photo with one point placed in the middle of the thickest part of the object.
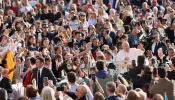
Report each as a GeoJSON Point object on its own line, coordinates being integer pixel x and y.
{"type": "Point", "coordinates": [46, 42]}
{"type": "Point", "coordinates": [125, 46]}
{"type": "Point", "coordinates": [32, 40]}
{"type": "Point", "coordinates": [39, 64]}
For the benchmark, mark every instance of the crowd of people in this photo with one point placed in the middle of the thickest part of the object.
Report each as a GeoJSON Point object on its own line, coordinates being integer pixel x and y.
{"type": "Point", "coordinates": [87, 49]}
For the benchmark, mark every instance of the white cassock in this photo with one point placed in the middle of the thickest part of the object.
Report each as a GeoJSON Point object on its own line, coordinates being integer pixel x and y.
{"type": "Point", "coordinates": [132, 55]}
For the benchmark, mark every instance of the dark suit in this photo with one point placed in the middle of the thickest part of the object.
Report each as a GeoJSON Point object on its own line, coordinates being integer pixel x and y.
{"type": "Point", "coordinates": [137, 70]}
{"type": "Point", "coordinates": [170, 34]}
{"type": "Point", "coordinates": [159, 45]}
{"type": "Point", "coordinates": [6, 84]}
{"type": "Point", "coordinates": [141, 81]}
{"type": "Point", "coordinates": [45, 73]}
{"type": "Point", "coordinates": [114, 98]}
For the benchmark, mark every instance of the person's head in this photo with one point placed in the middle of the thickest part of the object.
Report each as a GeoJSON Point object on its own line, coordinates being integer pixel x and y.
{"type": "Point", "coordinates": [110, 88]}
{"type": "Point", "coordinates": [71, 76]}
{"type": "Point", "coordinates": [58, 50]}
{"type": "Point", "coordinates": [43, 50]}
{"type": "Point", "coordinates": [112, 12]}
{"type": "Point", "coordinates": [122, 89]}
{"type": "Point", "coordinates": [48, 61]}
{"type": "Point", "coordinates": [48, 93]}
{"type": "Point", "coordinates": [171, 52]}
{"type": "Point", "coordinates": [81, 91]}
{"type": "Point", "coordinates": [133, 95]}
{"type": "Point", "coordinates": [99, 96]}
{"type": "Point", "coordinates": [125, 46]}
{"type": "Point", "coordinates": [143, 95]}
{"type": "Point", "coordinates": [31, 91]}
{"type": "Point", "coordinates": [156, 36]}
{"type": "Point", "coordinates": [76, 61]}
{"type": "Point", "coordinates": [108, 55]}
{"type": "Point", "coordinates": [45, 42]}
{"type": "Point", "coordinates": [45, 28]}
{"type": "Point", "coordinates": [161, 72]}
{"type": "Point", "coordinates": [31, 40]}
{"type": "Point", "coordinates": [3, 94]}
{"type": "Point", "coordinates": [78, 35]}
{"type": "Point", "coordinates": [100, 65]}
{"type": "Point", "coordinates": [95, 42]}
{"type": "Point", "coordinates": [158, 97]}
{"type": "Point", "coordinates": [54, 8]}
{"type": "Point", "coordinates": [23, 98]}
{"type": "Point", "coordinates": [40, 61]}
{"type": "Point", "coordinates": [141, 60]}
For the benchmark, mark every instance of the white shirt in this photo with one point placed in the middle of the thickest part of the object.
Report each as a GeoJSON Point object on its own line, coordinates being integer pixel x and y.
{"type": "Point", "coordinates": [73, 88]}
{"type": "Point", "coordinates": [26, 8]}
{"type": "Point", "coordinates": [40, 69]}
{"type": "Point", "coordinates": [132, 55]}
{"type": "Point", "coordinates": [153, 47]}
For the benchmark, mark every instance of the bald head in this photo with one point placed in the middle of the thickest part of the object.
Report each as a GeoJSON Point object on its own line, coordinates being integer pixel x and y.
{"type": "Point", "coordinates": [125, 46]}
{"type": "Point", "coordinates": [83, 89]}
{"type": "Point", "coordinates": [121, 89]}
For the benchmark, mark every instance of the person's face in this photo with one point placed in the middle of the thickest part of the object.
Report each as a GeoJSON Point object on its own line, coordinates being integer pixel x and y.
{"type": "Point", "coordinates": [125, 47]}
{"type": "Point", "coordinates": [45, 29]}
{"type": "Point", "coordinates": [32, 40]}
{"type": "Point", "coordinates": [45, 10]}
{"type": "Point", "coordinates": [46, 42]}
{"type": "Point", "coordinates": [77, 62]}
{"type": "Point", "coordinates": [48, 62]}
{"type": "Point", "coordinates": [78, 93]}
{"type": "Point", "coordinates": [157, 37]}
{"type": "Point", "coordinates": [107, 56]}
{"type": "Point", "coordinates": [38, 25]}
{"type": "Point", "coordinates": [60, 59]}
{"type": "Point", "coordinates": [59, 50]}
{"type": "Point", "coordinates": [78, 36]}
{"type": "Point", "coordinates": [96, 42]}
{"type": "Point", "coordinates": [112, 13]}
{"type": "Point", "coordinates": [171, 53]}
{"type": "Point", "coordinates": [86, 58]}
{"type": "Point", "coordinates": [39, 64]}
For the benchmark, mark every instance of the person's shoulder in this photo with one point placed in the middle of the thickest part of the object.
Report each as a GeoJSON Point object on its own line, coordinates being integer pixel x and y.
{"type": "Point", "coordinates": [114, 98]}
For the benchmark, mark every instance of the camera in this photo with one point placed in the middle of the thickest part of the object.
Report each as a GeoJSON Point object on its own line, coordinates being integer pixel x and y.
{"type": "Point", "coordinates": [60, 88]}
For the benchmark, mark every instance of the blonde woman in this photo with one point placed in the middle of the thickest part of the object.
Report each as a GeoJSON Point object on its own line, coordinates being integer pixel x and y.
{"type": "Point", "coordinates": [102, 13]}
{"type": "Point", "coordinates": [48, 93]}
{"type": "Point", "coordinates": [111, 14]}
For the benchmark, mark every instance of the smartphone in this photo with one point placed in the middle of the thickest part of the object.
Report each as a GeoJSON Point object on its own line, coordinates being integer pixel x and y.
{"type": "Point", "coordinates": [45, 81]}
{"type": "Point", "coordinates": [155, 72]}
{"type": "Point", "coordinates": [93, 77]}
{"type": "Point", "coordinates": [60, 88]}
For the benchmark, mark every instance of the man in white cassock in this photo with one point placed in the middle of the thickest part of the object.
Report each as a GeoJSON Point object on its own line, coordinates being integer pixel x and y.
{"type": "Point", "coordinates": [127, 55]}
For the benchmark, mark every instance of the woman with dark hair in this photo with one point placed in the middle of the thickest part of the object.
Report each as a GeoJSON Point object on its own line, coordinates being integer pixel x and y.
{"type": "Point", "coordinates": [31, 44]}
{"type": "Point", "coordinates": [32, 93]}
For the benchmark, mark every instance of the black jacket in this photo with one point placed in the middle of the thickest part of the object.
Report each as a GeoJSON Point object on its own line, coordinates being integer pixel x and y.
{"type": "Point", "coordinates": [54, 17]}
{"type": "Point", "coordinates": [137, 70]}
{"type": "Point", "coordinates": [171, 75]}
{"type": "Point", "coordinates": [159, 45]}
{"type": "Point", "coordinates": [114, 98]}
{"type": "Point", "coordinates": [170, 34]}
{"type": "Point", "coordinates": [74, 97]}
{"type": "Point", "coordinates": [45, 73]}
{"type": "Point", "coordinates": [6, 84]}
{"type": "Point", "coordinates": [139, 82]}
